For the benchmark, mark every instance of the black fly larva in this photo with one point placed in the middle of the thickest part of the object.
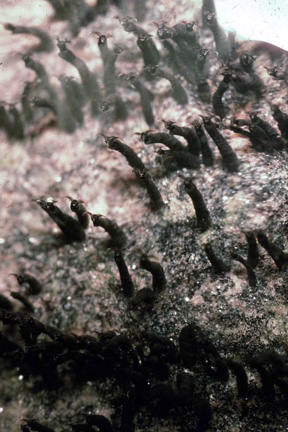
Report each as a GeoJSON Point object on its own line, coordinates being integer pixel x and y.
{"type": "Point", "coordinates": [204, 91]}
{"type": "Point", "coordinates": [207, 155]}
{"type": "Point", "coordinates": [271, 133]}
{"type": "Point", "coordinates": [182, 158]}
{"type": "Point", "coordinates": [250, 272]}
{"type": "Point", "coordinates": [145, 98]}
{"type": "Point", "coordinates": [130, 25]}
{"type": "Point", "coordinates": [88, 79]}
{"type": "Point", "coordinates": [71, 99]}
{"type": "Point", "coordinates": [80, 16]}
{"type": "Point", "coordinates": [46, 44]}
{"type": "Point", "coordinates": [267, 379]}
{"type": "Point", "coordinates": [215, 259]}
{"type": "Point", "coordinates": [221, 41]}
{"type": "Point", "coordinates": [6, 122]}
{"type": "Point", "coordinates": [44, 103]}
{"type": "Point", "coordinates": [159, 281]}
{"type": "Point", "coordinates": [25, 102]}
{"type": "Point", "coordinates": [219, 107]}
{"type": "Point", "coordinates": [71, 228]}
{"type": "Point", "coordinates": [109, 58]}
{"type": "Point", "coordinates": [246, 62]}
{"type": "Point", "coordinates": [178, 91]}
{"type": "Point", "coordinates": [178, 63]}
{"type": "Point", "coordinates": [126, 280]}
{"type": "Point", "coordinates": [186, 132]}
{"type": "Point", "coordinates": [150, 53]}
{"type": "Point", "coordinates": [182, 30]}
{"type": "Point", "coordinates": [24, 300]}
{"type": "Point", "coordinates": [140, 9]}
{"type": "Point", "coordinates": [245, 83]}
{"type": "Point", "coordinates": [259, 135]}
{"type": "Point", "coordinates": [62, 12]}
{"type": "Point", "coordinates": [139, 168]}
{"type": "Point", "coordinates": [189, 340]}
{"type": "Point", "coordinates": [241, 122]}
{"type": "Point", "coordinates": [149, 137]}
{"type": "Point", "coordinates": [37, 67]}
{"type": "Point", "coordinates": [118, 238]}
{"type": "Point", "coordinates": [103, 47]}
{"type": "Point", "coordinates": [62, 112]}
{"type": "Point", "coordinates": [5, 303]}
{"type": "Point", "coordinates": [262, 145]}
{"type": "Point", "coordinates": [145, 179]}
{"type": "Point", "coordinates": [115, 144]}
{"type": "Point", "coordinates": [180, 34]}
{"type": "Point", "coordinates": [77, 207]}
{"type": "Point", "coordinates": [253, 252]}
{"type": "Point", "coordinates": [120, 108]}
{"type": "Point", "coordinates": [17, 122]}
{"type": "Point", "coordinates": [204, 221]}
{"type": "Point", "coordinates": [76, 89]}
{"type": "Point", "coordinates": [33, 285]}
{"type": "Point", "coordinates": [200, 62]}
{"type": "Point", "coordinates": [279, 257]}
{"type": "Point", "coordinates": [241, 376]}
{"type": "Point", "coordinates": [277, 74]}
{"type": "Point", "coordinates": [281, 119]}
{"type": "Point", "coordinates": [230, 159]}
{"type": "Point", "coordinates": [34, 425]}
{"type": "Point", "coordinates": [208, 7]}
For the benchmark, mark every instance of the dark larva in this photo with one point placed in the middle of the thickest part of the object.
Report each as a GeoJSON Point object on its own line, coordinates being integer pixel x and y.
{"type": "Point", "coordinates": [24, 300]}
{"type": "Point", "coordinates": [26, 106]}
{"type": "Point", "coordinates": [81, 212]}
{"type": "Point", "coordinates": [207, 155]}
{"type": "Point", "coordinates": [156, 201]}
{"type": "Point", "coordinates": [140, 170]}
{"type": "Point", "coordinates": [282, 120]}
{"type": "Point", "coordinates": [204, 221]}
{"type": "Point", "coordinates": [126, 280]}
{"type": "Point", "coordinates": [117, 236]}
{"type": "Point", "coordinates": [183, 159]}
{"type": "Point", "coordinates": [250, 272]}
{"type": "Point", "coordinates": [159, 281]}
{"type": "Point", "coordinates": [164, 138]}
{"type": "Point", "coordinates": [34, 286]}
{"type": "Point", "coordinates": [88, 79]}
{"type": "Point", "coordinates": [150, 53]}
{"type": "Point", "coordinates": [68, 225]}
{"type": "Point", "coordinates": [241, 377]}
{"type": "Point", "coordinates": [46, 42]}
{"type": "Point", "coordinates": [230, 159]}
{"type": "Point", "coordinates": [218, 105]}
{"type": "Point", "coordinates": [246, 61]}
{"type": "Point", "coordinates": [178, 92]}
{"type": "Point", "coordinates": [248, 83]}
{"type": "Point", "coordinates": [215, 259]}
{"type": "Point", "coordinates": [188, 133]}
{"type": "Point", "coordinates": [145, 98]}
{"type": "Point", "coordinates": [221, 40]}
{"type": "Point", "coordinates": [253, 252]}
{"type": "Point", "coordinates": [279, 257]}
{"type": "Point", "coordinates": [272, 133]}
